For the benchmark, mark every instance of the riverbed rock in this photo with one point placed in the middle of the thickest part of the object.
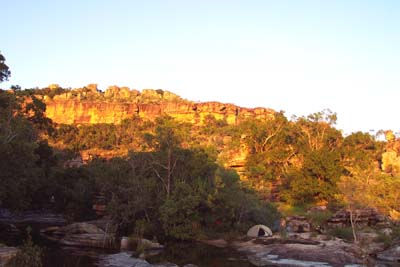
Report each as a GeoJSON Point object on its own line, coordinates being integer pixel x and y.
{"type": "Point", "coordinates": [219, 243]}
{"type": "Point", "coordinates": [147, 244]}
{"type": "Point", "coordinates": [129, 243]}
{"type": "Point", "coordinates": [6, 254]}
{"type": "Point", "coordinates": [392, 254]}
{"type": "Point", "coordinates": [125, 259]}
{"type": "Point", "coordinates": [85, 234]}
{"type": "Point", "coordinates": [328, 253]}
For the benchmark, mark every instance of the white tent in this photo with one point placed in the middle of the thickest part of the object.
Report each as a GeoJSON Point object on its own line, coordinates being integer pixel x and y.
{"type": "Point", "coordinates": [259, 230]}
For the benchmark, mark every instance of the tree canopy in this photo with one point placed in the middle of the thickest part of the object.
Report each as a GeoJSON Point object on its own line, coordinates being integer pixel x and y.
{"type": "Point", "coordinates": [5, 72]}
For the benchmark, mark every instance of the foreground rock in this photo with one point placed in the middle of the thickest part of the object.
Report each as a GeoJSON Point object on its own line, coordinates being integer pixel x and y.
{"type": "Point", "coordinates": [6, 254]}
{"type": "Point", "coordinates": [391, 254]}
{"type": "Point", "coordinates": [124, 259]}
{"type": "Point", "coordinates": [84, 234]}
{"type": "Point", "coordinates": [309, 253]}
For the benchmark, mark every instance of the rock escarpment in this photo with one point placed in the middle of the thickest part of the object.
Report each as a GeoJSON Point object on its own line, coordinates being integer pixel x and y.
{"type": "Point", "coordinates": [90, 106]}
{"type": "Point", "coordinates": [364, 217]}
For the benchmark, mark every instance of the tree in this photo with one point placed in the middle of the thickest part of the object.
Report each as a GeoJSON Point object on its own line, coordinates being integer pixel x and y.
{"type": "Point", "coordinates": [369, 188]}
{"type": "Point", "coordinates": [316, 180]}
{"type": "Point", "coordinates": [269, 150]}
{"type": "Point", "coordinates": [4, 70]}
{"type": "Point", "coordinates": [316, 131]}
{"type": "Point", "coordinates": [19, 172]}
{"type": "Point", "coordinates": [360, 150]}
{"type": "Point", "coordinates": [168, 139]}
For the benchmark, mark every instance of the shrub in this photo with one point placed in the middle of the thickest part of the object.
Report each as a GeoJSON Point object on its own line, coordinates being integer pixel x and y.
{"type": "Point", "coordinates": [389, 239]}
{"type": "Point", "coordinates": [318, 218]}
{"type": "Point", "coordinates": [29, 255]}
{"type": "Point", "coordinates": [345, 233]}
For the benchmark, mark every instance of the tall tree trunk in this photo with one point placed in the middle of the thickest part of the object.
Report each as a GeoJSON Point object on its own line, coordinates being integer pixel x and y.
{"type": "Point", "coordinates": [353, 226]}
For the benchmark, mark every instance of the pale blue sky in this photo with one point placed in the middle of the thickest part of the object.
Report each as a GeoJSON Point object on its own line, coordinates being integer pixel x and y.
{"type": "Point", "coordinates": [296, 56]}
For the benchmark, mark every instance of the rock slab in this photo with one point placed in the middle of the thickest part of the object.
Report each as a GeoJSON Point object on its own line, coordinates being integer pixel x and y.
{"type": "Point", "coordinates": [6, 254]}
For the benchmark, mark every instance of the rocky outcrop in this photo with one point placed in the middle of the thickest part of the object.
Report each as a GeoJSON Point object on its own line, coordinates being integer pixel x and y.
{"type": "Point", "coordinates": [293, 253]}
{"type": "Point", "coordinates": [90, 106]}
{"type": "Point", "coordinates": [391, 156]}
{"type": "Point", "coordinates": [84, 234]}
{"type": "Point", "coordinates": [297, 224]}
{"type": "Point", "coordinates": [391, 162]}
{"type": "Point", "coordinates": [363, 217]}
{"type": "Point", "coordinates": [392, 254]}
{"type": "Point", "coordinates": [6, 254]}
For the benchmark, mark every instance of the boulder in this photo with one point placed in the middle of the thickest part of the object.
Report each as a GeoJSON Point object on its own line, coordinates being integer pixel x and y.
{"type": "Point", "coordinates": [85, 234]}
{"type": "Point", "coordinates": [297, 224]}
{"type": "Point", "coordinates": [147, 244]}
{"type": "Point", "coordinates": [392, 254]}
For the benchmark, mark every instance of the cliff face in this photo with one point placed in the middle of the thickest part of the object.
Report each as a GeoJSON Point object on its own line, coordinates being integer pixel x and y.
{"type": "Point", "coordinates": [115, 105]}
{"type": "Point", "coordinates": [90, 106]}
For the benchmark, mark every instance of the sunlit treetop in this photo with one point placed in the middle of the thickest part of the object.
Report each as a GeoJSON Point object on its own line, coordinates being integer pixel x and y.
{"type": "Point", "coordinates": [4, 70]}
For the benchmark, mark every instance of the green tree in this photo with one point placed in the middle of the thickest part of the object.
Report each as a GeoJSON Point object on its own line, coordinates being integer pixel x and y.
{"type": "Point", "coordinates": [360, 150]}
{"type": "Point", "coordinates": [4, 70]}
{"type": "Point", "coordinates": [19, 171]}
{"type": "Point", "coordinates": [269, 149]}
{"type": "Point", "coordinates": [180, 213]}
{"type": "Point", "coordinates": [316, 180]}
{"type": "Point", "coordinates": [316, 132]}
{"type": "Point", "coordinates": [167, 140]}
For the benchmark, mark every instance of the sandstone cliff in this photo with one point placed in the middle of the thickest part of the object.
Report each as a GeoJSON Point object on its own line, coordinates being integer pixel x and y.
{"type": "Point", "coordinates": [90, 106]}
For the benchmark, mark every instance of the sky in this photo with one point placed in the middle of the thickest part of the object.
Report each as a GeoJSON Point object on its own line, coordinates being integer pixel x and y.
{"type": "Point", "coordinates": [297, 56]}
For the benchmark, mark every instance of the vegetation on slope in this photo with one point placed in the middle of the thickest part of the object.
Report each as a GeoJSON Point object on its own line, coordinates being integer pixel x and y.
{"type": "Point", "coordinates": [174, 179]}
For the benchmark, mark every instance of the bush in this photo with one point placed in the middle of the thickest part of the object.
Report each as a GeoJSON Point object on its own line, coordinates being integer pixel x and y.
{"type": "Point", "coordinates": [292, 210]}
{"type": "Point", "coordinates": [319, 218]}
{"type": "Point", "coordinates": [389, 239]}
{"type": "Point", "coordinates": [180, 215]}
{"type": "Point", "coordinates": [29, 255]}
{"type": "Point", "coordinates": [345, 233]}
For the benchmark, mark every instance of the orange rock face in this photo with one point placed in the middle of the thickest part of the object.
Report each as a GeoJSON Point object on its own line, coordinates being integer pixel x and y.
{"type": "Point", "coordinates": [72, 109]}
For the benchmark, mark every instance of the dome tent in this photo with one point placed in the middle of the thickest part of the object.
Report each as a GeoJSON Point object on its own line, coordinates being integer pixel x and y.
{"type": "Point", "coordinates": [259, 230]}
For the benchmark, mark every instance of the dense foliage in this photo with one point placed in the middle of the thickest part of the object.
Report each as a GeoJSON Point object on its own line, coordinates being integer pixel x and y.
{"type": "Point", "coordinates": [4, 70]}
{"type": "Point", "coordinates": [172, 182]}
{"type": "Point", "coordinates": [177, 190]}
